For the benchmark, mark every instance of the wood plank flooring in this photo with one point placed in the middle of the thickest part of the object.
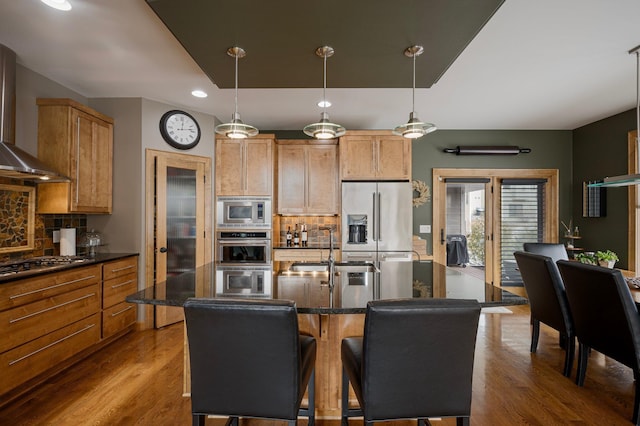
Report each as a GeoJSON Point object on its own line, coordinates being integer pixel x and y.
{"type": "Point", "coordinates": [138, 381]}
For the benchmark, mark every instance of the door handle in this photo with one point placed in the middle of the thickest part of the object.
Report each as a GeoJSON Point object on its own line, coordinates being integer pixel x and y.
{"type": "Point", "coordinates": [163, 249]}
{"type": "Point", "coordinates": [441, 236]}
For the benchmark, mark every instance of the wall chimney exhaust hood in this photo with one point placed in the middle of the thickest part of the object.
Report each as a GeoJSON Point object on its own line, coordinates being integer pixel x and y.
{"type": "Point", "coordinates": [14, 162]}
{"type": "Point", "coordinates": [630, 179]}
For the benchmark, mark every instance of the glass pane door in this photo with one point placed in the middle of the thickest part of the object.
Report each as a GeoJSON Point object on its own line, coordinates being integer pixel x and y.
{"type": "Point", "coordinates": [521, 220]}
{"type": "Point", "coordinates": [181, 220]}
{"type": "Point", "coordinates": [179, 224]}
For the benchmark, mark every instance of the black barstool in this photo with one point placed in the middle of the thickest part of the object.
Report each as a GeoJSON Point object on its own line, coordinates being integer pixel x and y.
{"type": "Point", "coordinates": [248, 360]}
{"type": "Point", "coordinates": [414, 361]}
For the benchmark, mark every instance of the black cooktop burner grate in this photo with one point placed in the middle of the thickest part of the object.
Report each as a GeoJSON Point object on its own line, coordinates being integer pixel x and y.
{"type": "Point", "coordinates": [38, 263]}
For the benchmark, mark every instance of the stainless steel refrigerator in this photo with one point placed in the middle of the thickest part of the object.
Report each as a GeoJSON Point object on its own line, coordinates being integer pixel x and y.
{"type": "Point", "coordinates": [377, 225]}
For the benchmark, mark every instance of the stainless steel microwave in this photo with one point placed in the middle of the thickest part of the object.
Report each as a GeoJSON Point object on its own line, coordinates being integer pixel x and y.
{"type": "Point", "coordinates": [243, 212]}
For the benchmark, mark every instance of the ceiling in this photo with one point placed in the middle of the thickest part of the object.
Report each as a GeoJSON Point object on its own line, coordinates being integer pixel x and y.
{"type": "Point", "coordinates": [546, 64]}
{"type": "Point", "coordinates": [368, 36]}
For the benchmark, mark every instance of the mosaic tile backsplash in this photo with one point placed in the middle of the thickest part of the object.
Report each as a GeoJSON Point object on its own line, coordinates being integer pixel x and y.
{"type": "Point", "coordinates": [45, 225]}
{"type": "Point", "coordinates": [14, 230]}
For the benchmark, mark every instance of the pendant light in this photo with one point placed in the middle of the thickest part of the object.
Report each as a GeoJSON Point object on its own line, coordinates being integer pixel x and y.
{"type": "Point", "coordinates": [324, 129]}
{"type": "Point", "coordinates": [236, 129]}
{"type": "Point", "coordinates": [630, 179]}
{"type": "Point", "coordinates": [414, 127]}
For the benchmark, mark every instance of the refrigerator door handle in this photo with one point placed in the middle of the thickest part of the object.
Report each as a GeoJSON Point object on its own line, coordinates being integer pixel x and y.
{"type": "Point", "coordinates": [379, 218]}
{"type": "Point", "coordinates": [374, 226]}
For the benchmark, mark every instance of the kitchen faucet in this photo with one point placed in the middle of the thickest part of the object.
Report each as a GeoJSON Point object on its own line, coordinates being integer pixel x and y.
{"type": "Point", "coordinates": [332, 261]}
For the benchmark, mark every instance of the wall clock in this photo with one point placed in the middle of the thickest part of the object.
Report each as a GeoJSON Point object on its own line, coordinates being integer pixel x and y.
{"type": "Point", "coordinates": [179, 129]}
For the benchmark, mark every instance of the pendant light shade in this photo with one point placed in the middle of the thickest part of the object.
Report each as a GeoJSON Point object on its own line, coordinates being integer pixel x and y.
{"type": "Point", "coordinates": [236, 129]}
{"type": "Point", "coordinates": [414, 128]}
{"type": "Point", "coordinates": [324, 129]}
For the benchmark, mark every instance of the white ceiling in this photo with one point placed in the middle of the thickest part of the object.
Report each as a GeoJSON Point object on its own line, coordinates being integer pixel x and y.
{"type": "Point", "coordinates": [544, 64]}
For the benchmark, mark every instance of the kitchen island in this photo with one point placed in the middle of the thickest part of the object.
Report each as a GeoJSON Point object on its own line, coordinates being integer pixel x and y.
{"type": "Point", "coordinates": [329, 324]}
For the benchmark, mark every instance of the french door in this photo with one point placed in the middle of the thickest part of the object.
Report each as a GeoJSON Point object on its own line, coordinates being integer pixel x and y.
{"type": "Point", "coordinates": [481, 216]}
{"type": "Point", "coordinates": [179, 237]}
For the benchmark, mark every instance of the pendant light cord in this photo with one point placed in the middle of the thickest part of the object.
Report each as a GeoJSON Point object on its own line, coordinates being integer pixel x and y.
{"type": "Point", "coordinates": [236, 113]}
{"type": "Point", "coordinates": [324, 84]}
{"type": "Point", "coordinates": [413, 92]}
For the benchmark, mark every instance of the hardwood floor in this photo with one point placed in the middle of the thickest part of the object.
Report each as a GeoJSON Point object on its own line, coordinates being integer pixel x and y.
{"type": "Point", "coordinates": [138, 381]}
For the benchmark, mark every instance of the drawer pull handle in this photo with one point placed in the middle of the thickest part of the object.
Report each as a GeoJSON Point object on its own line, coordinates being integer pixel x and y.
{"type": "Point", "coordinates": [122, 284]}
{"type": "Point", "coordinates": [51, 344]}
{"type": "Point", "coordinates": [51, 308]}
{"type": "Point", "coordinates": [122, 269]}
{"type": "Point", "coordinates": [15, 296]}
{"type": "Point", "coordinates": [115, 314]}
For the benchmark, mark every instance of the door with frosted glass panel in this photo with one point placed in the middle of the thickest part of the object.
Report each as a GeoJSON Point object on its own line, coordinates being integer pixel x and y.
{"type": "Point", "coordinates": [180, 223]}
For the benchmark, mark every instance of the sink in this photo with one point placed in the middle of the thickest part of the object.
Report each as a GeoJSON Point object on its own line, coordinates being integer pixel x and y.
{"type": "Point", "coordinates": [309, 267]}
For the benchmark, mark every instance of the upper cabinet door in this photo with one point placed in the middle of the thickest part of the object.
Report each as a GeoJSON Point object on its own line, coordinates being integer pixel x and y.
{"type": "Point", "coordinates": [259, 167]}
{"type": "Point", "coordinates": [92, 164]}
{"type": "Point", "coordinates": [77, 142]}
{"type": "Point", "coordinates": [244, 167]}
{"type": "Point", "coordinates": [357, 157]}
{"type": "Point", "coordinates": [292, 160]}
{"type": "Point", "coordinates": [371, 155]}
{"type": "Point", "coordinates": [307, 177]}
{"type": "Point", "coordinates": [229, 167]}
{"type": "Point", "coordinates": [322, 180]}
{"type": "Point", "coordinates": [393, 158]}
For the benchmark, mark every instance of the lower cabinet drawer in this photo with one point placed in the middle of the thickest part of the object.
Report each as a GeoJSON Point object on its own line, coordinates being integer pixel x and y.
{"type": "Point", "coordinates": [31, 359]}
{"type": "Point", "coordinates": [117, 318]}
{"type": "Point", "coordinates": [24, 323]}
{"type": "Point", "coordinates": [115, 290]}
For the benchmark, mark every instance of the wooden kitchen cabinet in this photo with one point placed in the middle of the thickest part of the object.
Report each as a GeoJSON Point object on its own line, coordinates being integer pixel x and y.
{"type": "Point", "coordinates": [245, 166]}
{"type": "Point", "coordinates": [374, 155]}
{"type": "Point", "coordinates": [47, 320]}
{"type": "Point", "coordinates": [120, 279]}
{"type": "Point", "coordinates": [308, 179]}
{"type": "Point", "coordinates": [77, 142]}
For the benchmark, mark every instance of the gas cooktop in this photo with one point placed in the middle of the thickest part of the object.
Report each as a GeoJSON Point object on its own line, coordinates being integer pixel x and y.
{"type": "Point", "coordinates": [38, 264]}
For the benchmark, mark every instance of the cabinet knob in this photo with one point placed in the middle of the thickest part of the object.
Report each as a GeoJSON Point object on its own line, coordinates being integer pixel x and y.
{"type": "Point", "coordinates": [163, 249]}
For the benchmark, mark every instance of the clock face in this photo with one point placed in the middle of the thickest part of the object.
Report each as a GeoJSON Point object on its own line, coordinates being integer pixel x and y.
{"type": "Point", "coordinates": [180, 129]}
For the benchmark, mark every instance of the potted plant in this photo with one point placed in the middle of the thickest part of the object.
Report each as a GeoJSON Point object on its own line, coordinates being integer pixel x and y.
{"type": "Point", "coordinates": [588, 257]}
{"type": "Point", "coordinates": [607, 258]}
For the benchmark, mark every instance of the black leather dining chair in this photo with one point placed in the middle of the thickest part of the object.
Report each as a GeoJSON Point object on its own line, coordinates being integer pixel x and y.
{"type": "Point", "coordinates": [555, 251]}
{"type": "Point", "coordinates": [414, 361]}
{"type": "Point", "coordinates": [248, 359]}
{"type": "Point", "coordinates": [547, 301]}
{"type": "Point", "coordinates": [605, 316]}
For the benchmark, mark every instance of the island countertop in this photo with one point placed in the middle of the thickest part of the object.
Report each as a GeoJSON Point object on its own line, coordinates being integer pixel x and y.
{"type": "Point", "coordinates": [430, 280]}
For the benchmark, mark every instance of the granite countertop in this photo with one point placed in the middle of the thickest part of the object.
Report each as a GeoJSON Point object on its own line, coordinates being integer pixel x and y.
{"type": "Point", "coordinates": [98, 258]}
{"type": "Point", "coordinates": [201, 283]}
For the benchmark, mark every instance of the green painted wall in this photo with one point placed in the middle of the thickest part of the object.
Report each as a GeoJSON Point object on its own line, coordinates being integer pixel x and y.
{"type": "Point", "coordinates": [550, 149]}
{"type": "Point", "coordinates": [599, 150]}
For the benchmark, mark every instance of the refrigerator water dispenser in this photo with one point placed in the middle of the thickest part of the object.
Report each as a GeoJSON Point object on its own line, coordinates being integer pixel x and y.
{"type": "Point", "coordinates": [357, 228]}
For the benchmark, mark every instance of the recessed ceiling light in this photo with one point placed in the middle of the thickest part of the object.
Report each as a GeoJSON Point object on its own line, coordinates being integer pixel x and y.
{"type": "Point", "coordinates": [325, 103]}
{"type": "Point", "coordinates": [58, 4]}
{"type": "Point", "coordinates": [199, 93]}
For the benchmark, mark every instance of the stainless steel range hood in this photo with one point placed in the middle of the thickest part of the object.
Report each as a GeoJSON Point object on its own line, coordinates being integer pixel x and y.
{"type": "Point", "coordinates": [14, 162]}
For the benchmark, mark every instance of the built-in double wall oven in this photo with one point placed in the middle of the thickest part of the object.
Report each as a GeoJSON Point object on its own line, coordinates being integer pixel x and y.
{"type": "Point", "coordinates": [243, 247]}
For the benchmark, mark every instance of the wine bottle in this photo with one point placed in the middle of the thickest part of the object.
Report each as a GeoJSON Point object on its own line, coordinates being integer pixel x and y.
{"type": "Point", "coordinates": [289, 236]}
{"type": "Point", "coordinates": [304, 235]}
{"type": "Point", "coordinates": [296, 236]}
